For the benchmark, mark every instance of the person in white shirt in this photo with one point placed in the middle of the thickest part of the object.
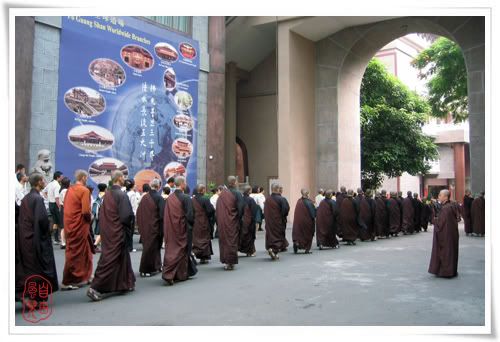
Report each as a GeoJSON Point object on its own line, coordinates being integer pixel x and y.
{"type": "Point", "coordinates": [319, 197]}
{"type": "Point", "coordinates": [21, 191]}
{"type": "Point", "coordinates": [259, 198]}
{"type": "Point", "coordinates": [65, 183]}
{"type": "Point", "coordinates": [21, 187]}
{"type": "Point", "coordinates": [51, 192]}
{"type": "Point", "coordinates": [134, 198]}
{"type": "Point", "coordinates": [213, 200]}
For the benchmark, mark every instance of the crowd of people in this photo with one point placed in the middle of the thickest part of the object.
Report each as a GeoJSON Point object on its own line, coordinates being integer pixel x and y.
{"type": "Point", "coordinates": [184, 225]}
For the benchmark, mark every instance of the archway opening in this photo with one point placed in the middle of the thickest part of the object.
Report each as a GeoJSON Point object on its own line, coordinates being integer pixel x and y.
{"type": "Point", "coordinates": [398, 121]}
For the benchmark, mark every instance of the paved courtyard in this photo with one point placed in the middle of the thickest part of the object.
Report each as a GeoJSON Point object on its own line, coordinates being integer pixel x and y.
{"type": "Point", "coordinates": [373, 283]}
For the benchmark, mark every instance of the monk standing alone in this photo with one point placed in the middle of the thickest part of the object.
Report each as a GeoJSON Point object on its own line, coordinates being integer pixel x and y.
{"type": "Point", "coordinates": [444, 257]}
{"type": "Point", "coordinates": [276, 210]}
{"type": "Point", "coordinates": [78, 265]}
{"type": "Point", "coordinates": [303, 223]}
{"type": "Point", "coordinates": [229, 213]}
{"type": "Point", "coordinates": [114, 271]}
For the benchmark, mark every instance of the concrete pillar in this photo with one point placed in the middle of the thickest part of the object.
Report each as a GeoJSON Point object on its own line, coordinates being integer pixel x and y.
{"type": "Point", "coordinates": [230, 120]}
{"type": "Point", "coordinates": [471, 38]}
{"type": "Point", "coordinates": [296, 120]}
{"type": "Point", "coordinates": [459, 165]}
{"type": "Point", "coordinates": [215, 100]}
{"type": "Point", "coordinates": [24, 39]}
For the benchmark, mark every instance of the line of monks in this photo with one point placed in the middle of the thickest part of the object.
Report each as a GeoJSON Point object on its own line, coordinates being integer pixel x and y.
{"type": "Point", "coordinates": [185, 225]}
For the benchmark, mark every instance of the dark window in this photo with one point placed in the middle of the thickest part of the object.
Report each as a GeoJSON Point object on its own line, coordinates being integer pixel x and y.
{"type": "Point", "coordinates": [181, 24]}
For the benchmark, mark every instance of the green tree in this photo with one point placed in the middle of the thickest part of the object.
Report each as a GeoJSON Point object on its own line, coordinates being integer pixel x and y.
{"type": "Point", "coordinates": [443, 65]}
{"type": "Point", "coordinates": [392, 116]}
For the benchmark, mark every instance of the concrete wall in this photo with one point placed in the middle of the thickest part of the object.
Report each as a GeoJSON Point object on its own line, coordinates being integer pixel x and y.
{"type": "Point", "coordinates": [296, 107]}
{"type": "Point", "coordinates": [45, 87]}
{"type": "Point", "coordinates": [446, 162]}
{"type": "Point", "coordinates": [258, 123]}
{"type": "Point", "coordinates": [200, 33]}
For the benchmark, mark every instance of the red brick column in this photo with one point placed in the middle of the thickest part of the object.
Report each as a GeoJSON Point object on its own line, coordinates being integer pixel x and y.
{"type": "Point", "coordinates": [216, 99]}
{"type": "Point", "coordinates": [459, 161]}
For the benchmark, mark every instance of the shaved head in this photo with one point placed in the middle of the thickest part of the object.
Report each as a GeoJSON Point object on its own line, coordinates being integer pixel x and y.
{"type": "Point", "coordinates": [155, 184]}
{"type": "Point", "coordinates": [304, 192]}
{"type": "Point", "coordinates": [115, 176]}
{"type": "Point", "coordinates": [275, 188]}
{"type": "Point", "coordinates": [232, 181]}
{"type": "Point", "coordinates": [81, 176]}
{"type": "Point", "coordinates": [247, 189]}
{"type": "Point", "coordinates": [200, 188]}
{"type": "Point", "coordinates": [444, 195]}
{"type": "Point", "coordinates": [179, 180]}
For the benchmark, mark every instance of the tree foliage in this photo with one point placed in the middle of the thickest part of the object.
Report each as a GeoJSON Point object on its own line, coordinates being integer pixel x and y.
{"type": "Point", "coordinates": [392, 116]}
{"type": "Point", "coordinates": [443, 65]}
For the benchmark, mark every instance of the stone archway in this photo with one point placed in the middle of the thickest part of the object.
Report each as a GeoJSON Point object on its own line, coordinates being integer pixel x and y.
{"type": "Point", "coordinates": [341, 60]}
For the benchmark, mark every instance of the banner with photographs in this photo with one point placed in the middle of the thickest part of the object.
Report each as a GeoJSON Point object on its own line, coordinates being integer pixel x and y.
{"type": "Point", "coordinates": [128, 100]}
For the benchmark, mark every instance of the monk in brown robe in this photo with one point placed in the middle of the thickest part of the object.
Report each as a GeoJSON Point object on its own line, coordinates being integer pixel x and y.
{"type": "Point", "coordinates": [150, 224]}
{"type": "Point", "coordinates": [477, 215]}
{"type": "Point", "coordinates": [408, 214]}
{"type": "Point", "coordinates": [381, 216]}
{"type": "Point", "coordinates": [339, 197]}
{"type": "Point", "coordinates": [78, 265]}
{"type": "Point", "coordinates": [178, 264]}
{"type": "Point", "coordinates": [373, 207]}
{"type": "Point", "coordinates": [326, 222]}
{"type": "Point", "coordinates": [276, 210]}
{"type": "Point", "coordinates": [114, 271]}
{"type": "Point", "coordinates": [229, 212]}
{"type": "Point", "coordinates": [426, 214]}
{"type": "Point", "coordinates": [466, 212]}
{"type": "Point", "coordinates": [444, 257]}
{"type": "Point", "coordinates": [247, 232]}
{"type": "Point", "coordinates": [400, 200]}
{"type": "Point", "coordinates": [394, 214]}
{"type": "Point", "coordinates": [365, 216]}
{"type": "Point", "coordinates": [418, 207]}
{"type": "Point", "coordinates": [33, 241]}
{"type": "Point", "coordinates": [303, 223]}
{"type": "Point", "coordinates": [203, 228]}
{"type": "Point", "coordinates": [349, 216]}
